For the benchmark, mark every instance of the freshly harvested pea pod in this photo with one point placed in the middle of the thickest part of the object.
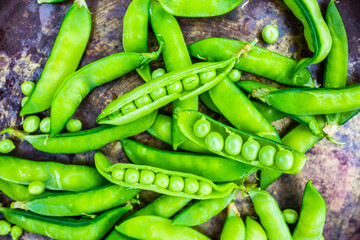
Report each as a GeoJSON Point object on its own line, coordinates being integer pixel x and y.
{"type": "Point", "coordinates": [55, 176]}
{"type": "Point", "coordinates": [154, 227]}
{"type": "Point", "coordinates": [214, 168]}
{"type": "Point", "coordinates": [49, 1]}
{"type": "Point", "coordinates": [160, 180]}
{"type": "Point", "coordinates": [86, 140]}
{"type": "Point", "coordinates": [260, 61]}
{"type": "Point", "coordinates": [65, 228]}
{"type": "Point", "coordinates": [312, 215]}
{"type": "Point", "coordinates": [206, 99]}
{"type": "Point", "coordinates": [270, 113]}
{"type": "Point", "coordinates": [77, 203]}
{"type": "Point", "coordinates": [172, 87]}
{"type": "Point", "coordinates": [64, 58]}
{"type": "Point", "coordinates": [248, 152]}
{"type": "Point", "coordinates": [234, 227]}
{"type": "Point", "coordinates": [254, 231]}
{"type": "Point", "coordinates": [76, 86]}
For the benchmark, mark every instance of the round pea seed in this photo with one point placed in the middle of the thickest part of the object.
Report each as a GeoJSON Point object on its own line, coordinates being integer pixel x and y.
{"type": "Point", "coordinates": [158, 93]}
{"type": "Point", "coordinates": [116, 114]}
{"type": "Point", "coordinates": [234, 75]}
{"type": "Point", "coordinates": [204, 188]}
{"type": "Point", "coordinates": [74, 125]}
{"type": "Point", "coordinates": [118, 174]}
{"type": "Point", "coordinates": [270, 33]}
{"type": "Point", "coordinates": [31, 124]}
{"type": "Point", "coordinates": [27, 88]}
{"type": "Point", "coordinates": [267, 155]}
{"type": "Point", "coordinates": [4, 227]}
{"type": "Point", "coordinates": [162, 180]}
{"type": "Point", "coordinates": [128, 108]}
{"type": "Point", "coordinates": [233, 144]}
{"type": "Point", "coordinates": [45, 125]}
{"type": "Point", "coordinates": [284, 159]}
{"type": "Point", "coordinates": [157, 73]}
{"type": "Point", "coordinates": [176, 183]}
{"type": "Point", "coordinates": [6, 146]}
{"type": "Point", "coordinates": [36, 188]}
{"type": "Point", "coordinates": [16, 232]}
{"type": "Point", "coordinates": [175, 87]}
{"type": "Point", "coordinates": [191, 82]}
{"type": "Point", "coordinates": [214, 141]}
{"type": "Point", "coordinates": [250, 149]}
{"type": "Point", "coordinates": [147, 177]}
{"type": "Point", "coordinates": [206, 77]}
{"type": "Point", "coordinates": [291, 216]}
{"type": "Point", "coordinates": [24, 100]}
{"type": "Point", "coordinates": [131, 176]}
{"type": "Point", "coordinates": [202, 128]}
{"type": "Point", "coordinates": [143, 101]}
{"type": "Point", "coordinates": [191, 185]}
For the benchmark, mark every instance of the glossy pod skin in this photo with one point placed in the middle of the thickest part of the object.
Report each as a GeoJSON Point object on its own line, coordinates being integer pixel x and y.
{"type": "Point", "coordinates": [260, 61]}
{"type": "Point", "coordinates": [86, 140]}
{"type": "Point", "coordinates": [56, 176]}
{"type": "Point", "coordinates": [64, 58]}
{"type": "Point", "coordinates": [254, 231]}
{"type": "Point", "coordinates": [312, 215]}
{"type": "Point", "coordinates": [206, 166]}
{"type": "Point", "coordinates": [189, 118]}
{"type": "Point", "coordinates": [162, 181]}
{"type": "Point", "coordinates": [234, 227]}
{"type": "Point", "coordinates": [67, 228]}
{"type": "Point", "coordinates": [79, 203]}
{"type": "Point", "coordinates": [154, 227]}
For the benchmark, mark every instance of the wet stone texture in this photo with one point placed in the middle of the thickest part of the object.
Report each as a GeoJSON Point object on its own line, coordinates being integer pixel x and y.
{"type": "Point", "coordinates": [28, 31]}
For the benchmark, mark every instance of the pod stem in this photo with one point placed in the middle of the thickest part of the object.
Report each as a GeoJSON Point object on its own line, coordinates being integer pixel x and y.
{"type": "Point", "coordinates": [154, 55]}
{"type": "Point", "coordinates": [232, 210]}
{"type": "Point", "coordinates": [19, 205]}
{"type": "Point", "coordinates": [81, 3]}
{"type": "Point", "coordinates": [248, 47]}
{"type": "Point", "coordinates": [330, 130]}
{"type": "Point", "coordinates": [260, 93]}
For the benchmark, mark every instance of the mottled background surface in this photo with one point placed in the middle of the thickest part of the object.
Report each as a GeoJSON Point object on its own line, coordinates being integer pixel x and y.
{"type": "Point", "coordinates": [28, 31]}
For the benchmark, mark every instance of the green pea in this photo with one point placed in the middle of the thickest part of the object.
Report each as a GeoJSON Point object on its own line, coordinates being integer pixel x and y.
{"type": "Point", "coordinates": [175, 87]}
{"type": "Point", "coordinates": [284, 159]}
{"type": "Point", "coordinates": [36, 188]}
{"type": "Point", "coordinates": [128, 108]}
{"type": "Point", "coordinates": [16, 232]}
{"type": "Point", "coordinates": [27, 88]}
{"type": "Point", "coordinates": [214, 141]}
{"type": "Point", "coordinates": [250, 149]}
{"type": "Point", "coordinates": [191, 185]}
{"type": "Point", "coordinates": [118, 174]}
{"type": "Point", "coordinates": [267, 155]}
{"type": "Point", "coordinates": [116, 114]}
{"type": "Point", "coordinates": [191, 82]}
{"type": "Point", "coordinates": [24, 100]}
{"type": "Point", "coordinates": [291, 216]}
{"type": "Point", "coordinates": [31, 124]}
{"type": "Point", "coordinates": [233, 144]}
{"type": "Point", "coordinates": [176, 183]}
{"type": "Point", "coordinates": [45, 125]}
{"type": "Point", "coordinates": [6, 146]}
{"type": "Point", "coordinates": [204, 188]}
{"type": "Point", "coordinates": [162, 180]}
{"type": "Point", "coordinates": [270, 33]}
{"type": "Point", "coordinates": [202, 128]}
{"type": "Point", "coordinates": [206, 77]}
{"type": "Point", "coordinates": [4, 227]}
{"type": "Point", "coordinates": [131, 176]}
{"type": "Point", "coordinates": [157, 73]}
{"type": "Point", "coordinates": [74, 125]}
{"type": "Point", "coordinates": [234, 75]}
{"type": "Point", "coordinates": [147, 177]}
{"type": "Point", "coordinates": [143, 101]}
{"type": "Point", "coordinates": [158, 93]}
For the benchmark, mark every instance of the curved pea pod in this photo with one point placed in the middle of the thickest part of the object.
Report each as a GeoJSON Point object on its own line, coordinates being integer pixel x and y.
{"type": "Point", "coordinates": [254, 231]}
{"type": "Point", "coordinates": [270, 113]}
{"type": "Point", "coordinates": [196, 8]}
{"type": "Point", "coordinates": [234, 227]}
{"type": "Point", "coordinates": [259, 61]}
{"type": "Point", "coordinates": [161, 181]}
{"type": "Point", "coordinates": [206, 99]}
{"type": "Point", "coordinates": [65, 228]}
{"type": "Point", "coordinates": [271, 217]}
{"type": "Point", "coordinates": [153, 227]}
{"type": "Point", "coordinates": [86, 140]}
{"type": "Point", "coordinates": [189, 118]}
{"type": "Point", "coordinates": [201, 165]}
{"type": "Point", "coordinates": [55, 176]}
{"type": "Point", "coordinates": [77, 203]}
{"type": "Point", "coordinates": [312, 215]}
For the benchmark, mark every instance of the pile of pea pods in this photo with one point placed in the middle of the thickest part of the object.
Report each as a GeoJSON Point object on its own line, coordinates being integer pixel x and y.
{"type": "Point", "coordinates": [211, 161]}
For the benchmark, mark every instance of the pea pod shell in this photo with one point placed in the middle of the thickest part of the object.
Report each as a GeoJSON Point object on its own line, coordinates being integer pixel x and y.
{"type": "Point", "coordinates": [254, 231]}
{"type": "Point", "coordinates": [234, 227]}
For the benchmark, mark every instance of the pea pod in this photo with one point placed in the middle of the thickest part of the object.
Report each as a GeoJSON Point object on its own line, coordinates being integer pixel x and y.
{"type": "Point", "coordinates": [312, 215]}
{"type": "Point", "coordinates": [64, 58]}
{"type": "Point", "coordinates": [86, 140]}
{"type": "Point", "coordinates": [249, 152]}
{"type": "Point", "coordinates": [49, 1]}
{"type": "Point", "coordinates": [254, 231]}
{"type": "Point", "coordinates": [77, 203]}
{"type": "Point", "coordinates": [206, 99]}
{"type": "Point", "coordinates": [65, 228]}
{"type": "Point", "coordinates": [260, 61]}
{"type": "Point", "coordinates": [234, 227]}
{"type": "Point", "coordinates": [160, 180]}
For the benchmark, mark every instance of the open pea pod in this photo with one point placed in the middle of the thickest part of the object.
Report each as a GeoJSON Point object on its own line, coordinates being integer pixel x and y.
{"type": "Point", "coordinates": [256, 151]}
{"type": "Point", "coordinates": [162, 181]}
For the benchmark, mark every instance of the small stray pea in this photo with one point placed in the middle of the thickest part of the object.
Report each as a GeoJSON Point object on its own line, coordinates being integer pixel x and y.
{"type": "Point", "coordinates": [291, 216]}
{"type": "Point", "coordinates": [270, 33]}
{"type": "Point", "coordinates": [27, 88]}
{"type": "Point", "coordinates": [16, 232]}
{"type": "Point", "coordinates": [4, 227]}
{"type": "Point", "coordinates": [157, 73]}
{"type": "Point", "coordinates": [6, 146]}
{"type": "Point", "coordinates": [74, 125]}
{"type": "Point", "coordinates": [36, 188]}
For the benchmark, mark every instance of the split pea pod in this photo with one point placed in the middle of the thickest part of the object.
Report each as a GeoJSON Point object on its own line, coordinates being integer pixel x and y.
{"type": "Point", "coordinates": [65, 228]}
{"type": "Point", "coordinates": [254, 231]}
{"type": "Point", "coordinates": [160, 180]}
{"type": "Point", "coordinates": [86, 140]}
{"type": "Point", "coordinates": [234, 227]}
{"type": "Point", "coordinates": [64, 58]}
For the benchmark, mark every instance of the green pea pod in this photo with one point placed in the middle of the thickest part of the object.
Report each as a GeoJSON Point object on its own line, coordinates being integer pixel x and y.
{"type": "Point", "coordinates": [254, 231]}
{"type": "Point", "coordinates": [187, 120]}
{"type": "Point", "coordinates": [76, 86]}
{"type": "Point", "coordinates": [64, 58]}
{"type": "Point", "coordinates": [135, 32]}
{"type": "Point", "coordinates": [312, 215]}
{"type": "Point", "coordinates": [160, 180]}
{"type": "Point", "coordinates": [86, 140]}
{"type": "Point", "coordinates": [206, 99]}
{"type": "Point", "coordinates": [270, 113]}
{"type": "Point", "coordinates": [259, 61]}
{"type": "Point", "coordinates": [65, 228]}
{"type": "Point", "coordinates": [234, 228]}
{"type": "Point", "coordinates": [49, 1]}
{"type": "Point", "coordinates": [271, 217]}
{"type": "Point", "coordinates": [316, 32]}
{"type": "Point", "coordinates": [196, 8]}
{"type": "Point", "coordinates": [201, 165]}
{"type": "Point", "coordinates": [76, 204]}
